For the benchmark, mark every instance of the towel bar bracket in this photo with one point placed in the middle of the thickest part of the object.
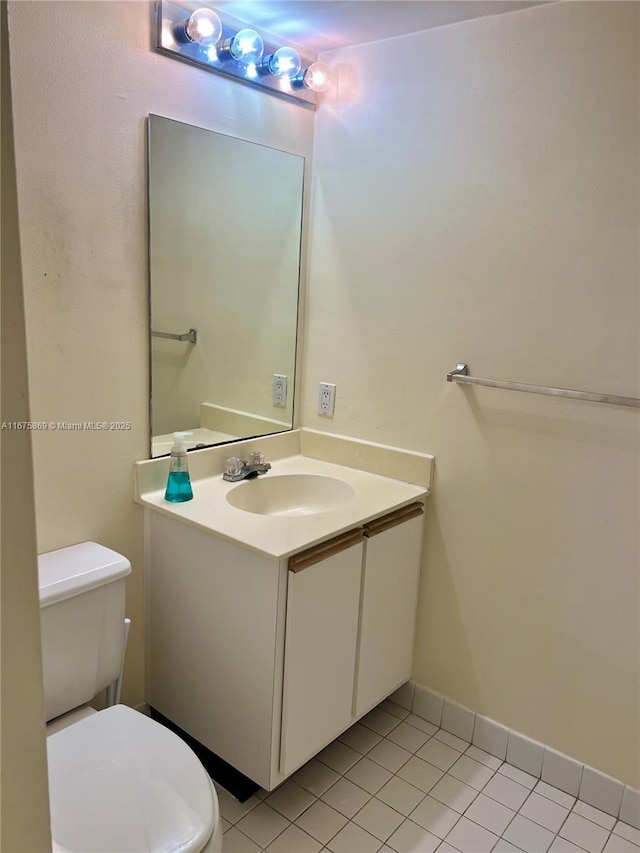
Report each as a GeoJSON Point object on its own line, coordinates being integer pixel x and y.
{"type": "Point", "coordinates": [461, 370]}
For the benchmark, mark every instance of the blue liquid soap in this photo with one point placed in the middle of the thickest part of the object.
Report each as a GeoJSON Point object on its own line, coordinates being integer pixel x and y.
{"type": "Point", "coordinates": [178, 487]}
{"type": "Point", "coordinates": [178, 484]}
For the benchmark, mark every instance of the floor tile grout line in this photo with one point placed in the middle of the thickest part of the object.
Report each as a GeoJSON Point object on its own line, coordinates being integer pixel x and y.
{"type": "Point", "coordinates": [609, 831]}
{"type": "Point", "coordinates": [519, 812]}
{"type": "Point", "coordinates": [464, 814]}
{"type": "Point", "coordinates": [426, 794]}
{"type": "Point", "coordinates": [355, 784]}
{"type": "Point", "coordinates": [404, 817]}
{"type": "Point", "coordinates": [512, 819]}
{"type": "Point", "coordinates": [614, 819]}
{"type": "Point", "coordinates": [551, 800]}
{"type": "Point", "coordinates": [349, 820]}
{"type": "Point", "coordinates": [408, 817]}
{"type": "Point", "coordinates": [235, 822]}
{"type": "Point", "coordinates": [293, 822]}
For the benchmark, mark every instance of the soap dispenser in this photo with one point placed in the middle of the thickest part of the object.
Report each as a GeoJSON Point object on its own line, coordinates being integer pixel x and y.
{"type": "Point", "coordinates": [179, 483]}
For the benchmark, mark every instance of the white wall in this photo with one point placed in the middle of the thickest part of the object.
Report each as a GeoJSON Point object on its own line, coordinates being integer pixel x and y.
{"type": "Point", "coordinates": [84, 80]}
{"type": "Point", "coordinates": [476, 198]}
{"type": "Point", "coordinates": [24, 801]}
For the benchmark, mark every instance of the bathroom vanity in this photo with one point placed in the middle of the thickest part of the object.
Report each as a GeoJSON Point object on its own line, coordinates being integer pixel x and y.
{"type": "Point", "coordinates": [280, 610]}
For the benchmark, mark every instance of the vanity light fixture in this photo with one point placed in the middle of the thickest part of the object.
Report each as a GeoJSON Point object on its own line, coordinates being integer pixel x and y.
{"type": "Point", "coordinates": [221, 44]}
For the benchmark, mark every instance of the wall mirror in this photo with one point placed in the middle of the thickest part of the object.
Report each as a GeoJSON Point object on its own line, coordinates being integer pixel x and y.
{"type": "Point", "coordinates": [225, 221]}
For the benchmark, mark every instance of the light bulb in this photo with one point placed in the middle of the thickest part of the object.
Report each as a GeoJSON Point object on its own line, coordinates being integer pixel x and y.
{"type": "Point", "coordinates": [246, 46]}
{"type": "Point", "coordinates": [318, 77]}
{"type": "Point", "coordinates": [203, 27]}
{"type": "Point", "coordinates": [285, 62]}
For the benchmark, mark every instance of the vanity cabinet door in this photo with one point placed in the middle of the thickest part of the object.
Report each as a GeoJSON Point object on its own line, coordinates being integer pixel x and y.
{"type": "Point", "coordinates": [391, 573]}
{"type": "Point", "coordinates": [323, 600]}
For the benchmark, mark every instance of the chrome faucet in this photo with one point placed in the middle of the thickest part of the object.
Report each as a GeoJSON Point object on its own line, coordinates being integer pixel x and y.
{"type": "Point", "coordinates": [236, 469]}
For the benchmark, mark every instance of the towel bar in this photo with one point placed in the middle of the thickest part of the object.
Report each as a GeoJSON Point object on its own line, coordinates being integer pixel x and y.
{"type": "Point", "coordinates": [461, 376]}
{"type": "Point", "coordinates": [191, 335]}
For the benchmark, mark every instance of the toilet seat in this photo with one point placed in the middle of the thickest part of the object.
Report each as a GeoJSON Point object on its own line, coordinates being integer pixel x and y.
{"type": "Point", "coordinates": [120, 782]}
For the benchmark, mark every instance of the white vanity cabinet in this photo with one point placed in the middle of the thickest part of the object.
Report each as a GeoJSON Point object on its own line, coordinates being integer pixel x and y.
{"type": "Point", "coordinates": [390, 578]}
{"type": "Point", "coordinates": [321, 638]}
{"type": "Point", "coordinates": [265, 661]}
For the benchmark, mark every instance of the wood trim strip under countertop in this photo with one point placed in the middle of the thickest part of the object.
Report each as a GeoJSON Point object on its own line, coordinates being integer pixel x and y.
{"type": "Point", "coordinates": [323, 550]}
{"type": "Point", "coordinates": [379, 525]}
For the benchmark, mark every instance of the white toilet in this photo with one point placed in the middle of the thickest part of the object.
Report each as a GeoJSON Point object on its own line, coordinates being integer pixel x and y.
{"type": "Point", "coordinates": [118, 781]}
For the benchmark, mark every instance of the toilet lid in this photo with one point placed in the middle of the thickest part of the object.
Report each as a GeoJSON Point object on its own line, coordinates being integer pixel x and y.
{"type": "Point", "coordinates": [118, 781]}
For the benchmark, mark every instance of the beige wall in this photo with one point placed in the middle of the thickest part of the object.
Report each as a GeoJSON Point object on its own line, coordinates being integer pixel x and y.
{"type": "Point", "coordinates": [24, 802]}
{"type": "Point", "coordinates": [84, 80]}
{"type": "Point", "coordinates": [476, 198]}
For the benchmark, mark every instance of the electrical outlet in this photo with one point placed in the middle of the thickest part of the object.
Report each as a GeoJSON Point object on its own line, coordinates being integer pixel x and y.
{"type": "Point", "coordinates": [327, 399]}
{"type": "Point", "coordinates": [279, 390]}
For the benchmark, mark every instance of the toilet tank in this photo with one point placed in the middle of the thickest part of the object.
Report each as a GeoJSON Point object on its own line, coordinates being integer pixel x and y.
{"type": "Point", "coordinates": [82, 601]}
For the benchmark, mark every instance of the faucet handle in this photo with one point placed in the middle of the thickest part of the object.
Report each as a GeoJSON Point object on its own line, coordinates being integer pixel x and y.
{"type": "Point", "coordinates": [233, 466]}
{"type": "Point", "coordinates": [256, 458]}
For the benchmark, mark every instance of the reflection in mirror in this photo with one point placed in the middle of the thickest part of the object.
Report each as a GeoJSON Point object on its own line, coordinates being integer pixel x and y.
{"type": "Point", "coordinates": [224, 255]}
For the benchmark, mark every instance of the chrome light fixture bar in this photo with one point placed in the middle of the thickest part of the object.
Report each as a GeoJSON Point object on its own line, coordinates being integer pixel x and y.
{"type": "Point", "coordinates": [202, 36]}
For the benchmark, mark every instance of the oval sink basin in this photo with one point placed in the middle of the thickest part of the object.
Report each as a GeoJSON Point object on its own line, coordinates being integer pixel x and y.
{"type": "Point", "coordinates": [290, 494]}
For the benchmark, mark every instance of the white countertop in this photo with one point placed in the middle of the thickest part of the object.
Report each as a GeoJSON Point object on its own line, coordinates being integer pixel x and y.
{"type": "Point", "coordinates": [281, 536]}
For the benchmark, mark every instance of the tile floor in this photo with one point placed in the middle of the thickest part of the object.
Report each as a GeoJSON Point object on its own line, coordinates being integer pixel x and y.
{"type": "Point", "coordinates": [395, 783]}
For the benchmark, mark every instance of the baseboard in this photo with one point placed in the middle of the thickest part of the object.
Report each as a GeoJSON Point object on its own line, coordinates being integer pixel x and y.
{"type": "Point", "coordinates": [575, 778]}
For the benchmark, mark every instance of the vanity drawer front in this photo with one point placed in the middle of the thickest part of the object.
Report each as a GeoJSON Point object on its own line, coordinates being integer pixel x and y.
{"type": "Point", "coordinates": [391, 575]}
{"type": "Point", "coordinates": [323, 602]}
